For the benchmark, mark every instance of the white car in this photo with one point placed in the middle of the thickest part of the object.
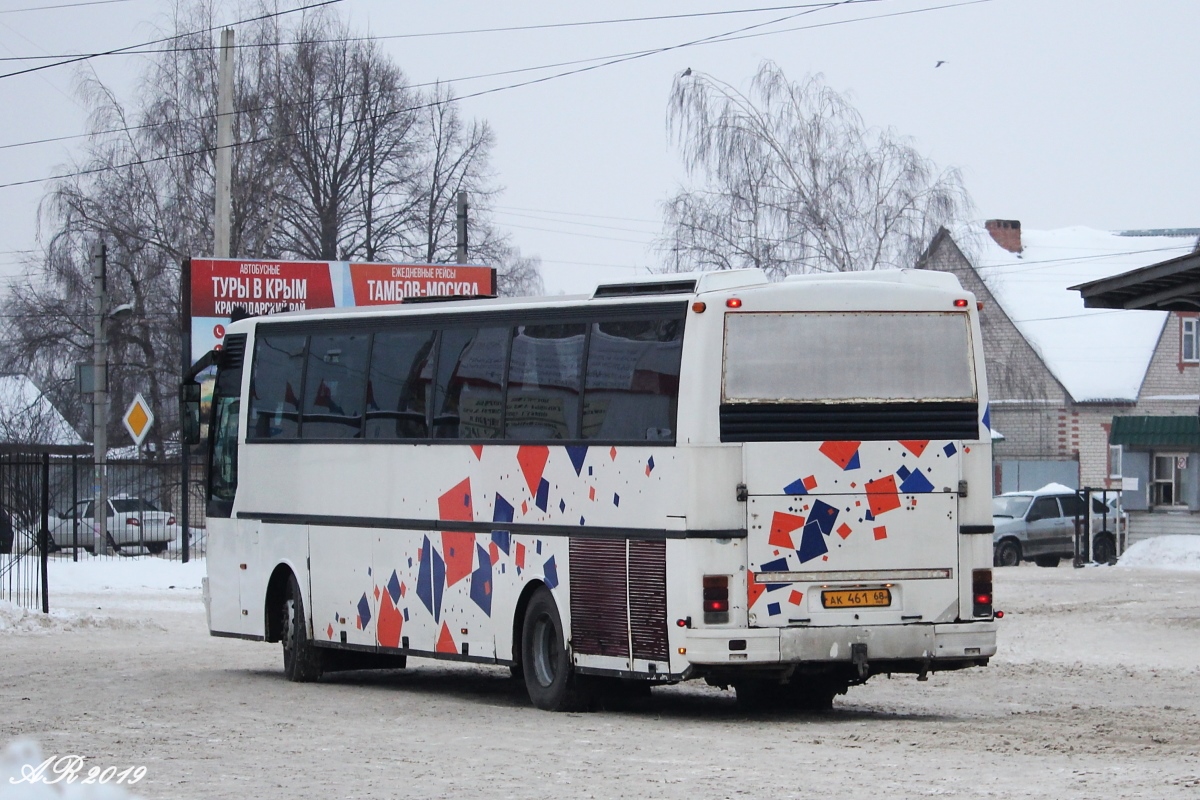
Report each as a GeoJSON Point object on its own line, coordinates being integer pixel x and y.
{"type": "Point", "coordinates": [132, 521]}
{"type": "Point", "coordinates": [1041, 526]}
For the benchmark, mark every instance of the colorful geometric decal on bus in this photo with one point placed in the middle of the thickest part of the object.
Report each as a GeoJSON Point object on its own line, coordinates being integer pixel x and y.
{"type": "Point", "coordinates": [577, 454]}
{"type": "Point", "coordinates": [913, 481]}
{"type": "Point", "coordinates": [987, 416]}
{"type": "Point", "coordinates": [391, 622]}
{"type": "Point", "coordinates": [431, 578]}
{"type": "Point", "coordinates": [820, 524]}
{"type": "Point", "coordinates": [801, 486]}
{"type": "Point", "coordinates": [445, 642]}
{"type": "Point", "coordinates": [550, 573]}
{"type": "Point", "coordinates": [782, 525]}
{"type": "Point", "coordinates": [914, 447]}
{"type": "Point", "coordinates": [883, 495]}
{"type": "Point", "coordinates": [532, 460]}
{"type": "Point", "coordinates": [364, 612]}
{"type": "Point", "coordinates": [844, 454]}
{"type": "Point", "coordinates": [481, 581]}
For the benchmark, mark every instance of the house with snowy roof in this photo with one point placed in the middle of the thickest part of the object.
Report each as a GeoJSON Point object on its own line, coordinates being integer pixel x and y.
{"type": "Point", "coordinates": [27, 417]}
{"type": "Point", "coordinates": [1059, 373]}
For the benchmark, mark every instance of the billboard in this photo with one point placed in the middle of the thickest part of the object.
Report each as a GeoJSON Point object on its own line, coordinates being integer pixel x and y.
{"type": "Point", "coordinates": [219, 286]}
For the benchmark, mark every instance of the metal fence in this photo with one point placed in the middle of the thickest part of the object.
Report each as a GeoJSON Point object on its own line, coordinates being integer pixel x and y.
{"type": "Point", "coordinates": [48, 513]}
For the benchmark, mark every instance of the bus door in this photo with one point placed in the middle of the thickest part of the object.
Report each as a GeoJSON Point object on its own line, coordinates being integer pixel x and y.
{"type": "Point", "coordinates": [852, 533]}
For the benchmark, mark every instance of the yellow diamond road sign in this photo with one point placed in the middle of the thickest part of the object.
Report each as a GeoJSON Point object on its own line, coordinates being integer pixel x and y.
{"type": "Point", "coordinates": [138, 419]}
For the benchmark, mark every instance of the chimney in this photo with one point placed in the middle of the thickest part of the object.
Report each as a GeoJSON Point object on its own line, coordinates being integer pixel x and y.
{"type": "Point", "coordinates": [1006, 232]}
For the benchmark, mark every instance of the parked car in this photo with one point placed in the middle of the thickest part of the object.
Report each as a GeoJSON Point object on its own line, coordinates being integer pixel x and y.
{"type": "Point", "coordinates": [1039, 526]}
{"type": "Point", "coordinates": [132, 521]}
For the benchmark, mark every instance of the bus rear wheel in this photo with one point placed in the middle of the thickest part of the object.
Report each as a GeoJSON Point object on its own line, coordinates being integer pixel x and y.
{"type": "Point", "coordinates": [301, 659]}
{"type": "Point", "coordinates": [545, 660]}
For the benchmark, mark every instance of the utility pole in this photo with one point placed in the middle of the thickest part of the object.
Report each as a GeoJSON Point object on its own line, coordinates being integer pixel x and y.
{"type": "Point", "coordinates": [224, 166]}
{"type": "Point", "coordinates": [100, 395]}
{"type": "Point", "coordinates": [461, 250]}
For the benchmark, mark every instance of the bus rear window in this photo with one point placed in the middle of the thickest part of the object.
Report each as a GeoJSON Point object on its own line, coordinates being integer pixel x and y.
{"type": "Point", "coordinates": [807, 357]}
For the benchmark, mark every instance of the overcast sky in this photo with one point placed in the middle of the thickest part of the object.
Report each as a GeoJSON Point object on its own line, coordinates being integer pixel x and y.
{"type": "Point", "coordinates": [1058, 112]}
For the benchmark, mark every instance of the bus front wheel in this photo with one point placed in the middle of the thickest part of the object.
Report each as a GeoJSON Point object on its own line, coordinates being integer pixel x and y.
{"type": "Point", "coordinates": [545, 660]}
{"type": "Point", "coordinates": [301, 659]}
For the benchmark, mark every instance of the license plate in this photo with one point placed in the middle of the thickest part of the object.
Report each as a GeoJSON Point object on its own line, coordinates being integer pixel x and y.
{"type": "Point", "coordinates": [856, 598]}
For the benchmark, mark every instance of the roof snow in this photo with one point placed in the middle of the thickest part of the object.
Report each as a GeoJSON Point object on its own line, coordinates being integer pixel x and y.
{"type": "Point", "coordinates": [28, 417]}
{"type": "Point", "coordinates": [1097, 354]}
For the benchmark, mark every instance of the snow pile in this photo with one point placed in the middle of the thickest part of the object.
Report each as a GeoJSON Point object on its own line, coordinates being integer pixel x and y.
{"type": "Point", "coordinates": [1164, 552]}
{"type": "Point", "coordinates": [15, 619]}
{"type": "Point", "coordinates": [23, 757]}
{"type": "Point", "coordinates": [1097, 354]}
{"type": "Point", "coordinates": [123, 575]}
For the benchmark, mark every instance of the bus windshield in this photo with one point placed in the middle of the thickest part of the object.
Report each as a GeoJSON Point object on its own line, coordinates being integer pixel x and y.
{"type": "Point", "coordinates": [864, 356]}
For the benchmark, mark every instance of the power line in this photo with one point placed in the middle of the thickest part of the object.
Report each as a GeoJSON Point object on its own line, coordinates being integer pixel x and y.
{"type": "Point", "coordinates": [59, 5]}
{"type": "Point", "coordinates": [606, 61]}
{"type": "Point", "coordinates": [469, 31]}
{"type": "Point", "coordinates": [126, 49]}
{"type": "Point", "coordinates": [628, 55]}
{"type": "Point", "coordinates": [132, 128]}
{"type": "Point", "coordinates": [1029, 266]}
{"type": "Point", "coordinates": [571, 222]}
{"type": "Point", "coordinates": [579, 235]}
{"type": "Point", "coordinates": [576, 214]}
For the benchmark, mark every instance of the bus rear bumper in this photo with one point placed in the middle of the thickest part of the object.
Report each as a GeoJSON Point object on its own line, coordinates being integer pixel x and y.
{"type": "Point", "coordinates": [955, 642]}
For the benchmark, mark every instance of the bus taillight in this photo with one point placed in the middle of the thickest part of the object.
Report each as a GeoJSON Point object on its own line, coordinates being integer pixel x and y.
{"type": "Point", "coordinates": [716, 599]}
{"type": "Point", "coordinates": [981, 592]}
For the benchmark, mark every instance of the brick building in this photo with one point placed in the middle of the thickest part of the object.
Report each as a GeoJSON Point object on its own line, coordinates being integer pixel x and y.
{"type": "Point", "coordinates": [1058, 373]}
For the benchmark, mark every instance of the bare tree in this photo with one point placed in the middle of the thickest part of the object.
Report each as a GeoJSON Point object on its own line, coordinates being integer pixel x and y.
{"type": "Point", "coordinates": [335, 158]}
{"type": "Point", "coordinates": [792, 180]}
{"type": "Point", "coordinates": [346, 117]}
{"type": "Point", "coordinates": [455, 157]}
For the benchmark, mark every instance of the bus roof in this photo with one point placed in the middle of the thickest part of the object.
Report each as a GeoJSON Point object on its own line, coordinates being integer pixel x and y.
{"type": "Point", "coordinates": [646, 289]}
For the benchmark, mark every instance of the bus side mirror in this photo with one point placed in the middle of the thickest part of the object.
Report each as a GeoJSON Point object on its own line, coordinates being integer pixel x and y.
{"type": "Point", "coordinates": [189, 412]}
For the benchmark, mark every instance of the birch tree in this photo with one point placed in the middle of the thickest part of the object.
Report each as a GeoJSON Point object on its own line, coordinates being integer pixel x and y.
{"type": "Point", "coordinates": [787, 177]}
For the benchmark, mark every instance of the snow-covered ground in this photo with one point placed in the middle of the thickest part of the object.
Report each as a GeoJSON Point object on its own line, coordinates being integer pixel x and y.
{"type": "Point", "coordinates": [1094, 694]}
{"type": "Point", "coordinates": [1164, 552]}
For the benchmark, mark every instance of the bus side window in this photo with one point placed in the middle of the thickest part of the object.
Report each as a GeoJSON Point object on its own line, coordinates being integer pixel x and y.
{"type": "Point", "coordinates": [276, 386]}
{"type": "Point", "coordinates": [544, 382]}
{"type": "Point", "coordinates": [335, 380]}
{"type": "Point", "coordinates": [632, 387]}
{"type": "Point", "coordinates": [399, 385]}
{"type": "Point", "coordinates": [469, 401]}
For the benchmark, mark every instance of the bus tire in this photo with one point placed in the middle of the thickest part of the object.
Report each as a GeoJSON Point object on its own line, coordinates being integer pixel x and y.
{"type": "Point", "coordinates": [1104, 549]}
{"type": "Point", "coordinates": [301, 659]}
{"type": "Point", "coordinates": [545, 660]}
{"type": "Point", "coordinates": [1008, 554]}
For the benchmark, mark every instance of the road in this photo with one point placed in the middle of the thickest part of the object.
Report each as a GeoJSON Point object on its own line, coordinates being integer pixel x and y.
{"type": "Point", "coordinates": [1095, 693]}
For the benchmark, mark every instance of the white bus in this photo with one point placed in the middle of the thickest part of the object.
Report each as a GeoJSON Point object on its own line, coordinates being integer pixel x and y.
{"type": "Point", "coordinates": [779, 487]}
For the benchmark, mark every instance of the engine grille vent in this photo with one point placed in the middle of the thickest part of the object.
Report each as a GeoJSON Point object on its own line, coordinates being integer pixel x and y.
{"type": "Point", "coordinates": [818, 422]}
{"type": "Point", "coordinates": [648, 599]}
{"type": "Point", "coordinates": [599, 588]}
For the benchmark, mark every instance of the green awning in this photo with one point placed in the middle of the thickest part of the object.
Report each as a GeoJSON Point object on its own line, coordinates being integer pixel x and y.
{"type": "Point", "coordinates": [1179, 431]}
